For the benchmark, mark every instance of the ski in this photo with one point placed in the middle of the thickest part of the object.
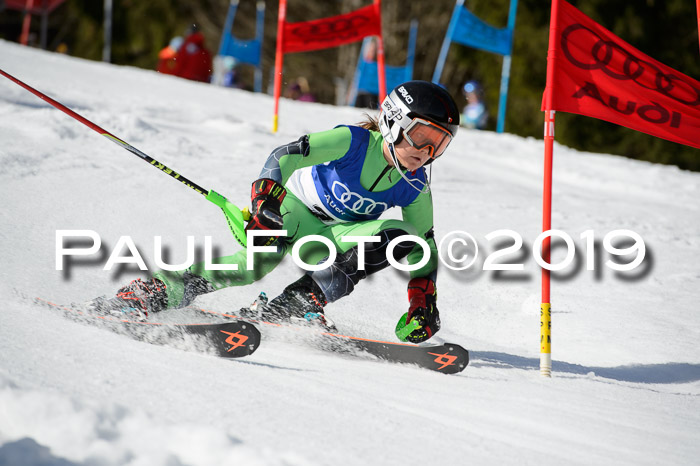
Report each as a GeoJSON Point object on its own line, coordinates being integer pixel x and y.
{"type": "Point", "coordinates": [448, 358]}
{"type": "Point", "coordinates": [229, 339]}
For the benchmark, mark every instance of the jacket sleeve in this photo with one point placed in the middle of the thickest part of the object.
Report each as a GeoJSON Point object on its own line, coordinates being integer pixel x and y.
{"type": "Point", "coordinates": [420, 214]}
{"type": "Point", "coordinates": [312, 149]}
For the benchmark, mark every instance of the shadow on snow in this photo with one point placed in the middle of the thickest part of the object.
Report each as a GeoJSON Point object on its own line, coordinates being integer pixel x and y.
{"type": "Point", "coordinates": [671, 372]}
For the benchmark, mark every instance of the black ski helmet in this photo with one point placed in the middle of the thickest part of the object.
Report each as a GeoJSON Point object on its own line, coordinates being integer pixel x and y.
{"type": "Point", "coordinates": [417, 99]}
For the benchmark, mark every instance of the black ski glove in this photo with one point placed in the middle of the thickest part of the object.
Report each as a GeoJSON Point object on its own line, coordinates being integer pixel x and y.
{"type": "Point", "coordinates": [266, 199]}
{"type": "Point", "coordinates": [422, 308]}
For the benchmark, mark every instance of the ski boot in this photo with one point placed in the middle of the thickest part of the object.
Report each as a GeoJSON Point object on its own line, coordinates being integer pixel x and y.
{"type": "Point", "coordinates": [300, 303]}
{"type": "Point", "coordinates": [133, 301]}
{"type": "Point", "coordinates": [254, 311]}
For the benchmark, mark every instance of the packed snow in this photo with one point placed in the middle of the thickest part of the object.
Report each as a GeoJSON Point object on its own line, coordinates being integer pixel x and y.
{"type": "Point", "coordinates": [626, 375]}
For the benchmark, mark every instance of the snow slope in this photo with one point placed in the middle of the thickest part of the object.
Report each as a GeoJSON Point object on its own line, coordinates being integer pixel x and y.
{"type": "Point", "coordinates": [626, 383]}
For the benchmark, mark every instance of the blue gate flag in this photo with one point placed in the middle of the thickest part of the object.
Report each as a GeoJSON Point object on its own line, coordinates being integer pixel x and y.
{"type": "Point", "coordinates": [467, 29]}
{"type": "Point", "coordinates": [366, 79]}
{"type": "Point", "coordinates": [245, 51]}
{"type": "Point", "coordinates": [473, 32]}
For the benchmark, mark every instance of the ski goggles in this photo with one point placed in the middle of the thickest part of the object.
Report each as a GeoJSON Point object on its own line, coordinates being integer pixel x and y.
{"type": "Point", "coordinates": [422, 134]}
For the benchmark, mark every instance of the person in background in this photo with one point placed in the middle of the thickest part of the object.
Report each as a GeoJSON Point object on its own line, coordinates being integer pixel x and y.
{"type": "Point", "coordinates": [62, 48]}
{"type": "Point", "coordinates": [166, 57]}
{"type": "Point", "coordinates": [366, 99]}
{"type": "Point", "coordinates": [475, 115]}
{"type": "Point", "coordinates": [299, 90]}
{"type": "Point", "coordinates": [193, 60]}
{"type": "Point", "coordinates": [230, 78]}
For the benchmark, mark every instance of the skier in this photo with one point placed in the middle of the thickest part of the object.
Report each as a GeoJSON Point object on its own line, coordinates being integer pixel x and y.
{"type": "Point", "coordinates": [335, 183]}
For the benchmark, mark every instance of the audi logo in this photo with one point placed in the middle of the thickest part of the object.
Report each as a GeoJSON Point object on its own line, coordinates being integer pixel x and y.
{"type": "Point", "coordinates": [618, 63]}
{"type": "Point", "coordinates": [356, 203]}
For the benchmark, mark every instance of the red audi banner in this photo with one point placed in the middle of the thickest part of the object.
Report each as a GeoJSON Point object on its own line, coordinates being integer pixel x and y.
{"type": "Point", "coordinates": [35, 7]}
{"type": "Point", "coordinates": [592, 72]}
{"type": "Point", "coordinates": [333, 31]}
{"type": "Point", "coordinates": [326, 33]}
{"type": "Point", "coordinates": [697, 9]}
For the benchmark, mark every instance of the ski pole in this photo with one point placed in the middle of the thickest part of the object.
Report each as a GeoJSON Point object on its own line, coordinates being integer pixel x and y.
{"type": "Point", "coordinates": [234, 216]}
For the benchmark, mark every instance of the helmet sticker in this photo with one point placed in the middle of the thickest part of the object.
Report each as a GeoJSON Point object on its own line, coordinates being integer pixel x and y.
{"type": "Point", "coordinates": [406, 95]}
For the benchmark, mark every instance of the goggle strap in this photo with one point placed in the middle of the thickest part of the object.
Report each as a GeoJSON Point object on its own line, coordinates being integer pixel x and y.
{"type": "Point", "coordinates": [425, 186]}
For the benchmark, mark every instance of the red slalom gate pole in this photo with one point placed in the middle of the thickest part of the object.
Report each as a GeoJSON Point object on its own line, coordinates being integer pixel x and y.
{"type": "Point", "coordinates": [545, 306]}
{"type": "Point", "coordinates": [549, 113]}
{"type": "Point", "coordinates": [26, 22]}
